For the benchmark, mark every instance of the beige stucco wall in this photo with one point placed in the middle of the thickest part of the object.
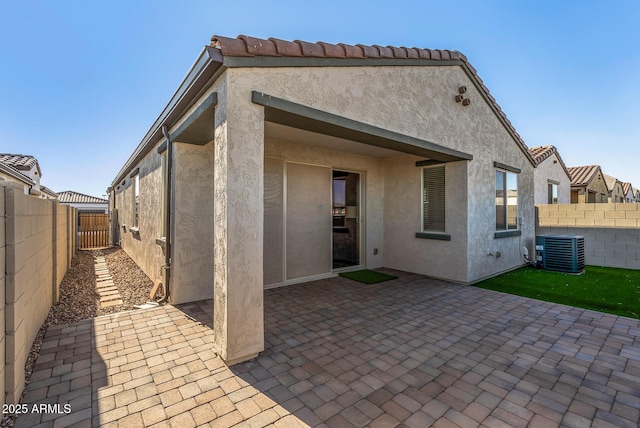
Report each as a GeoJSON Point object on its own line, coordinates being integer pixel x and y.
{"type": "Point", "coordinates": [238, 223]}
{"type": "Point", "coordinates": [402, 216]}
{"type": "Point", "coordinates": [387, 97]}
{"type": "Point", "coordinates": [551, 169]}
{"type": "Point", "coordinates": [617, 194]}
{"type": "Point", "coordinates": [142, 247]}
{"type": "Point", "coordinates": [372, 183]}
{"type": "Point", "coordinates": [597, 185]}
{"type": "Point", "coordinates": [192, 272]}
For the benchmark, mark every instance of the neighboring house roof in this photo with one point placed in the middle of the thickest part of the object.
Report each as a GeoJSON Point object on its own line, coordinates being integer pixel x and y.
{"type": "Point", "coordinates": [16, 174]}
{"type": "Point", "coordinates": [626, 187]}
{"type": "Point", "coordinates": [541, 153]}
{"type": "Point", "coordinates": [20, 162]}
{"type": "Point", "coordinates": [45, 189]}
{"type": "Point", "coordinates": [232, 52]}
{"type": "Point", "coordinates": [70, 197]}
{"type": "Point", "coordinates": [610, 181]}
{"type": "Point", "coordinates": [582, 175]}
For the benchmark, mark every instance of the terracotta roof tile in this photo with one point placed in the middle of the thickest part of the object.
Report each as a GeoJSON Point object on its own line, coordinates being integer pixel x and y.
{"type": "Point", "coordinates": [70, 197]}
{"type": "Point", "coordinates": [245, 46]}
{"type": "Point", "coordinates": [287, 48]}
{"type": "Point", "coordinates": [332, 51]}
{"type": "Point", "coordinates": [311, 49]}
{"type": "Point", "coordinates": [582, 175]}
{"type": "Point", "coordinates": [351, 51]}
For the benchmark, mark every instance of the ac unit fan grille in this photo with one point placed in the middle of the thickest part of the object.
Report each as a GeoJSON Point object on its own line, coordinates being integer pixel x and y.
{"type": "Point", "coordinates": [563, 253]}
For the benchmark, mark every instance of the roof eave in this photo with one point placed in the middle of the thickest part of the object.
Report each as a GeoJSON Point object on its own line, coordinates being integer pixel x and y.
{"type": "Point", "coordinates": [16, 174]}
{"type": "Point", "coordinates": [195, 82]}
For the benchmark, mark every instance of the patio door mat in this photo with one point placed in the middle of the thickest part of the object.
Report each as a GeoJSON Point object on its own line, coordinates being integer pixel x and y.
{"type": "Point", "coordinates": [368, 276]}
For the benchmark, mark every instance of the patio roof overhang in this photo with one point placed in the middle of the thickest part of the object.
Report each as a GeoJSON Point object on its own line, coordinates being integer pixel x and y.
{"type": "Point", "coordinates": [299, 116]}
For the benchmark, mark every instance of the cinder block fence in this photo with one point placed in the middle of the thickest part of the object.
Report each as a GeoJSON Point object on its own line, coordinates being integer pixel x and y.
{"type": "Point", "coordinates": [611, 231]}
{"type": "Point", "coordinates": [37, 243]}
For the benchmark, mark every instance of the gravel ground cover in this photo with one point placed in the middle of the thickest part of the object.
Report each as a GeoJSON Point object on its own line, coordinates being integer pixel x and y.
{"type": "Point", "coordinates": [79, 298]}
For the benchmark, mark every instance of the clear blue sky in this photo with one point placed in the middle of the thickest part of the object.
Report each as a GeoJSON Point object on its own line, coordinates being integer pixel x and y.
{"type": "Point", "coordinates": [82, 81]}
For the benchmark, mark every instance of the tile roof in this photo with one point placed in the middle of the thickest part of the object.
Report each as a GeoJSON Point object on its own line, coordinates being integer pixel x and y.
{"type": "Point", "coordinates": [541, 153]}
{"type": "Point", "coordinates": [582, 175]}
{"type": "Point", "coordinates": [610, 181]}
{"type": "Point", "coordinates": [70, 197]}
{"type": "Point", "coordinates": [20, 162]}
{"type": "Point", "coordinates": [246, 46]}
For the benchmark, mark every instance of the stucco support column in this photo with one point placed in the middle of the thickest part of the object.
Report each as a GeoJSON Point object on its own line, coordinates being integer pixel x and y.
{"type": "Point", "coordinates": [238, 316]}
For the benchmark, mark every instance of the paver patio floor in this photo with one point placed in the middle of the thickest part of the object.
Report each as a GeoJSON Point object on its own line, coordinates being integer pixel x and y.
{"type": "Point", "coordinates": [411, 352]}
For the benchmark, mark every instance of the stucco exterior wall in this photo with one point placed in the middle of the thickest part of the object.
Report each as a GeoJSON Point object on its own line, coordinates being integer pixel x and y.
{"type": "Point", "coordinates": [142, 246]}
{"type": "Point", "coordinates": [372, 184]}
{"type": "Point", "coordinates": [387, 97]}
{"type": "Point", "coordinates": [402, 219]}
{"type": "Point", "coordinates": [238, 224]}
{"type": "Point", "coordinates": [192, 271]}
{"type": "Point", "coordinates": [617, 194]}
{"type": "Point", "coordinates": [551, 169]}
{"type": "Point", "coordinates": [597, 185]}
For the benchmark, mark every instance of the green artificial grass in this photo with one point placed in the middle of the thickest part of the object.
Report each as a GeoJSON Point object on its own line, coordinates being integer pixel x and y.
{"type": "Point", "coordinates": [368, 276]}
{"type": "Point", "coordinates": [616, 291]}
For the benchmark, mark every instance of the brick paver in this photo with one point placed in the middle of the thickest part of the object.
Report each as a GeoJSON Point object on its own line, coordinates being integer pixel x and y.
{"type": "Point", "coordinates": [413, 351]}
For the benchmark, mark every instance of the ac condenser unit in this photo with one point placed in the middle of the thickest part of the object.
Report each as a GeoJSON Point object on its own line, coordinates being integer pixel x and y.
{"type": "Point", "coordinates": [562, 253]}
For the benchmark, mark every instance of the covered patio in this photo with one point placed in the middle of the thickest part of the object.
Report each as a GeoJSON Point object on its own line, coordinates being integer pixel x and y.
{"type": "Point", "coordinates": [412, 351]}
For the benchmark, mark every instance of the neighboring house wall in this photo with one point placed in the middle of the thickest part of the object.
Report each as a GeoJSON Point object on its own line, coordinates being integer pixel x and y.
{"type": "Point", "coordinates": [548, 171]}
{"type": "Point", "coordinates": [90, 207]}
{"type": "Point", "coordinates": [23, 184]}
{"type": "Point", "coordinates": [597, 187]}
{"type": "Point", "coordinates": [37, 244]}
{"type": "Point", "coordinates": [611, 231]}
{"type": "Point", "coordinates": [616, 193]}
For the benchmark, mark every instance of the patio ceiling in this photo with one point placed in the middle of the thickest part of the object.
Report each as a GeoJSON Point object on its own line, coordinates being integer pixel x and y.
{"type": "Point", "coordinates": [309, 119]}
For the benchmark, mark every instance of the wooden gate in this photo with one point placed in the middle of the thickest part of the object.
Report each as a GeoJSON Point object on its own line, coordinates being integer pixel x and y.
{"type": "Point", "coordinates": [94, 230]}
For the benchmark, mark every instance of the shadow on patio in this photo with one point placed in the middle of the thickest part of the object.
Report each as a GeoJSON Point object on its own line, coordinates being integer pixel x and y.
{"type": "Point", "coordinates": [412, 351]}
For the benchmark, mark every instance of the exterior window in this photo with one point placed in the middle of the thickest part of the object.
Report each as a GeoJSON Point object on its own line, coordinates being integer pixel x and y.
{"type": "Point", "coordinates": [433, 199]}
{"type": "Point", "coordinates": [163, 208]}
{"type": "Point", "coordinates": [553, 193]}
{"type": "Point", "coordinates": [136, 200]}
{"type": "Point", "coordinates": [506, 200]}
{"type": "Point", "coordinates": [339, 208]}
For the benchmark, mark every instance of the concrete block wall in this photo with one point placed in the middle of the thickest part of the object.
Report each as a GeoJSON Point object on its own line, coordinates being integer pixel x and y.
{"type": "Point", "coordinates": [611, 231]}
{"type": "Point", "coordinates": [35, 248]}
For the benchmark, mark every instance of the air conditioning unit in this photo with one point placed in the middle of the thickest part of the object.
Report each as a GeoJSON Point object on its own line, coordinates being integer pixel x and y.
{"type": "Point", "coordinates": [563, 253]}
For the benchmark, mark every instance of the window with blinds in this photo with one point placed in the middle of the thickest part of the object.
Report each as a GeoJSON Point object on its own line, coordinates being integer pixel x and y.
{"type": "Point", "coordinates": [433, 194]}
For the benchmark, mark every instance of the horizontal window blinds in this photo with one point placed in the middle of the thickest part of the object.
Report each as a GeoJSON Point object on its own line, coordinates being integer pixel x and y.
{"type": "Point", "coordinates": [433, 199]}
